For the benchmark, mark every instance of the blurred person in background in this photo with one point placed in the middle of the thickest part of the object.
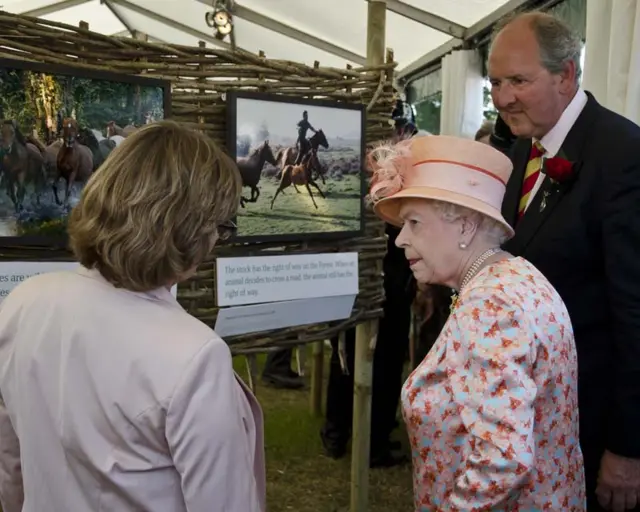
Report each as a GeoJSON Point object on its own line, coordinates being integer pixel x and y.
{"type": "Point", "coordinates": [484, 132]}
{"type": "Point", "coordinates": [390, 354]}
{"type": "Point", "coordinates": [112, 397]}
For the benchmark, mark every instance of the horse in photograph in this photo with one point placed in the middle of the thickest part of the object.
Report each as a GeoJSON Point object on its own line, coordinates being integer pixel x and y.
{"type": "Point", "coordinates": [287, 156]}
{"type": "Point", "coordinates": [317, 168]}
{"type": "Point", "coordinates": [20, 163]}
{"type": "Point", "coordinates": [113, 129]}
{"type": "Point", "coordinates": [49, 154]}
{"type": "Point", "coordinates": [74, 161]}
{"type": "Point", "coordinates": [100, 148]}
{"type": "Point", "coordinates": [298, 175]}
{"type": "Point", "coordinates": [251, 170]}
{"type": "Point", "coordinates": [113, 141]}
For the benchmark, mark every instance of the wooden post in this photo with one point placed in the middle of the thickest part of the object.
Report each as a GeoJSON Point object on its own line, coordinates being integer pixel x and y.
{"type": "Point", "coordinates": [367, 331]}
{"type": "Point", "coordinates": [361, 436]}
{"type": "Point", "coordinates": [317, 368]}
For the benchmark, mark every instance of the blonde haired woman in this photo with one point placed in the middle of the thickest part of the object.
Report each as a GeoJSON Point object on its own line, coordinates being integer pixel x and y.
{"type": "Point", "coordinates": [492, 410]}
{"type": "Point", "coordinates": [113, 397]}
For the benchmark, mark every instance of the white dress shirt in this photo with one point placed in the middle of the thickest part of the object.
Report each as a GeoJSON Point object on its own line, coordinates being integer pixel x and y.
{"type": "Point", "coordinates": [117, 401]}
{"type": "Point", "coordinates": [553, 140]}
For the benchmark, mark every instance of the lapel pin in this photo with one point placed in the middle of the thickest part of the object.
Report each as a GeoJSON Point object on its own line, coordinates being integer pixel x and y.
{"type": "Point", "coordinates": [543, 203]}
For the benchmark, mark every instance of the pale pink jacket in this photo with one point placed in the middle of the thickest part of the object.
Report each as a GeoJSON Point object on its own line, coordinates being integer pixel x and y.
{"type": "Point", "coordinates": [119, 401]}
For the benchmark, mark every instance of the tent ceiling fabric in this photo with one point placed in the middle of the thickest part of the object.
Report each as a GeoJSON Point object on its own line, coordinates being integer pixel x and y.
{"type": "Point", "coordinates": [333, 31]}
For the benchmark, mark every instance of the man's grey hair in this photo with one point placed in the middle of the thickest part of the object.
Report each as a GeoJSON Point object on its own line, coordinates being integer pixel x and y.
{"type": "Point", "coordinates": [558, 43]}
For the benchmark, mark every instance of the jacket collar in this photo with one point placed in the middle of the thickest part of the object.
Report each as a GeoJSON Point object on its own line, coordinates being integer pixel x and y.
{"type": "Point", "coordinates": [162, 294]}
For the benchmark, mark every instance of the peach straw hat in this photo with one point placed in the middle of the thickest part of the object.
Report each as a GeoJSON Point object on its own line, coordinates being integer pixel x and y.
{"type": "Point", "coordinates": [449, 169]}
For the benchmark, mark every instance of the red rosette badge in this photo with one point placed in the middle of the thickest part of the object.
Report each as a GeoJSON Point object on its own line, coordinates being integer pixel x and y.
{"type": "Point", "coordinates": [559, 170]}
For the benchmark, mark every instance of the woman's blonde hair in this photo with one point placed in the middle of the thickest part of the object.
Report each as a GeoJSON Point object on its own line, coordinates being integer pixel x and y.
{"type": "Point", "coordinates": [151, 212]}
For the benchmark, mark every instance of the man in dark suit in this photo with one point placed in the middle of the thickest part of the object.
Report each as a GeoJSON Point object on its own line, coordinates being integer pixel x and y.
{"type": "Point", "coordinates": [581, 231]}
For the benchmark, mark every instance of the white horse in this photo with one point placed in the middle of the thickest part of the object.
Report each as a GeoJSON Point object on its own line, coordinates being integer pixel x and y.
{"type": "Point", "coordinates": [97, 134]}
{"type": "Point", "coordinates": [117, 139]}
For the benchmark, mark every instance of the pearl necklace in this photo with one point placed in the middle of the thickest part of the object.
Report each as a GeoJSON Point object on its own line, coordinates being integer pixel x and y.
{"type": "Point", "coordinates": [473, 270]}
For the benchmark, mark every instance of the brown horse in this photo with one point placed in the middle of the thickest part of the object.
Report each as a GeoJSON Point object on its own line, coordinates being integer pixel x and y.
{"type": "Point", "coordinates": [287, 156]}
{"type": "Point", "coordinates": [49, 154]}
{"type": "Point", "coordinates": [74, 161]}
{"type": "Point", "coordinates": [318, 170]}
{"type": "Point", "coordinates": [21, 163]}
{"type": "Point", "coordinates": [114, 129]}
{"type": "Point", "coordinates": [298, 175]}
{"type": "Point", "coordinates": [251, 170]}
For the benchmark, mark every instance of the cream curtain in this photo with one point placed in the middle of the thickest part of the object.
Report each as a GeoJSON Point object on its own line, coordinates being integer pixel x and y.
{"type": "Point", "coordinates": [462, 83]}
{"type": "Point", "coordinates": [612, 62]}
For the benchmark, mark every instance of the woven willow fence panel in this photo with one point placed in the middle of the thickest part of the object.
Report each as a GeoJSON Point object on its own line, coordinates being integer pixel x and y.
{"type": "Point", "coordinates": [200, 77]}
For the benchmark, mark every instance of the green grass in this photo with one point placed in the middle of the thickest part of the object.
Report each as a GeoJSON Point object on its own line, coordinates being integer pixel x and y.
{"type": "Point", "coordinates": [294, 212]}
{"type": "Point", "coordinates": [300, 477]}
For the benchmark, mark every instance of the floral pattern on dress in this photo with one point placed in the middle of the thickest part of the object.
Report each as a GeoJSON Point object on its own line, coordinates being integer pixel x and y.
{"type": "Point", "coordinates": [492, 411]}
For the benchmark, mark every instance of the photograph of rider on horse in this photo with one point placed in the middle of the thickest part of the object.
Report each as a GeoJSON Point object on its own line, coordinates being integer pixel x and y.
{"type": "Point", "coordinates": [302, 143]}
{"type": "Point", "coordinates": [55, 131]}
{"type": "Point", "coordinates": [301, 165]}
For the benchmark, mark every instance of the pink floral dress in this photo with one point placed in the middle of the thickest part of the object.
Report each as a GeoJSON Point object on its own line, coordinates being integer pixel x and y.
{"type": "Point", "coordinates": [492, 411]}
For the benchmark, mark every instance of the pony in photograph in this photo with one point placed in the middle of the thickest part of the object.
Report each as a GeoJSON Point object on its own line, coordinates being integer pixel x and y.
{"type": "Point", "coordinates": [74, 161]}
{"type": "Point", "coordinates": [21, 163]}
{"type": "Point", "coordinates": [288, 156]}
{"type": "Point", "coordinates": [299, 175]}
{"type": "Point", "coordinates": [251, 170]}
{"type": "Point", "coordinates": [100, 148]}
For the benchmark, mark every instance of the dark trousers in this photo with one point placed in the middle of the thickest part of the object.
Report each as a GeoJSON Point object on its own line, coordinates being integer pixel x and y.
{"type": "Point", "coordinates": [303, 148]}
{"type": "Point", "coordinates": [278, 362]}
{"type": "Point", "coordinates": [388, 364]}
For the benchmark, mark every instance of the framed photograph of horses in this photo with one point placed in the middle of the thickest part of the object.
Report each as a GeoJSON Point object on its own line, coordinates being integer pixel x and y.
{"type": "Point", "coordinates": [57, 125]}
{"type": "Point", "coordinates": [301, 163]}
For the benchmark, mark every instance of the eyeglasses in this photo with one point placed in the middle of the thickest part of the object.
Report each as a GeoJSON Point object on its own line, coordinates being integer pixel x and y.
{"type": "Point", "coordinates": [227, 229]}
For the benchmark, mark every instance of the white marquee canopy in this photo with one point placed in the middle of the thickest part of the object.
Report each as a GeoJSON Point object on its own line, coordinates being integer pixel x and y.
{"type": "Point", "coordinates": [332, 32]}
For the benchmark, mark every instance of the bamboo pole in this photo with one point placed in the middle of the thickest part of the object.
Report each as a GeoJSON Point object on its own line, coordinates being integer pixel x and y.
{"type": "Point", "coordinates": [317, 358]}
{"type": "Point", "coordinates": [366, 332]}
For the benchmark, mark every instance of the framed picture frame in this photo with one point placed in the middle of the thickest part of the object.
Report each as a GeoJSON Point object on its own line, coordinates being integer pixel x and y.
{"type": "Point", "coordinates": [56, 123]}
{"type": "Point", "coordinates": [302, 166]}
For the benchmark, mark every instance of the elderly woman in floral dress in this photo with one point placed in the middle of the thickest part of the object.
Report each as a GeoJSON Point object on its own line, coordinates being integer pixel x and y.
{"type": "Point", "coordinates": [492, 410]}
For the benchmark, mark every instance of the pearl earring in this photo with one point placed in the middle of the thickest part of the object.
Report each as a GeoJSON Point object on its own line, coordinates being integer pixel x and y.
{"type": "Point", "coordinates": [462, 245]}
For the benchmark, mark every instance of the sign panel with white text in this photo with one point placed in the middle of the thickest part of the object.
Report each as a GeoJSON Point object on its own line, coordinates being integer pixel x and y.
{"type": "Point", "coordinates": [259, 279]}
{"type": "Point", "coordinates": [12, 273]}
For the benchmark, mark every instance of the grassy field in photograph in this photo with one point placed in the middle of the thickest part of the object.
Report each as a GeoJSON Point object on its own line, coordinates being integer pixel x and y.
{"type": "Point", "coordinates": [294, 212]}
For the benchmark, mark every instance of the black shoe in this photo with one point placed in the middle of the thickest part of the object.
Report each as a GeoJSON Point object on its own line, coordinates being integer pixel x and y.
{"type": "Point", "coordinates": [333, 448]}
{"type": "Point", "coordinates": [385, 459]}
{"type": "Point", "coordinates": [282, 381]}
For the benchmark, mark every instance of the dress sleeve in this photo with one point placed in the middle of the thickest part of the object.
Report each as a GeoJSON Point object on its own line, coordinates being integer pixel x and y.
{"type": "Point", "coordinates": [206, 435]}
{"type": "Point", "coordinates": [491, 380]}
{"type": "Point", "coordinates": [11, 490]}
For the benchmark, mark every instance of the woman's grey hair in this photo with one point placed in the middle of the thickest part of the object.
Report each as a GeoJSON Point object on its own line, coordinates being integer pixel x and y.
{"type": "Point", "coordinates": [558, 43]}
{"type": "Point", "coordinates": [491, 230]}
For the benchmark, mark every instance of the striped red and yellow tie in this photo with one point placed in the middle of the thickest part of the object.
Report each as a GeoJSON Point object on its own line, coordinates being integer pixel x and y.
{"type": "Point", "coordinates": [531, 176]}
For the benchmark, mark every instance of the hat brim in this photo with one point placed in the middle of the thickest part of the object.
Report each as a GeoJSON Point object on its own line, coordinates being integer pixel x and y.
{"type": "Point", "coordinates": [388, 208]}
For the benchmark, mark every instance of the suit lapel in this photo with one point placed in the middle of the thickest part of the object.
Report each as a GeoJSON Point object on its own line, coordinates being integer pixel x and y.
{"type": "Point", "coordinates": [550, 194]}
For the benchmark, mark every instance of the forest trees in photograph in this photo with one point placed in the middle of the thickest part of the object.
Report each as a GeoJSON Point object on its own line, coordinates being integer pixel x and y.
{"type": "Point", "coordinates": [56, 130]}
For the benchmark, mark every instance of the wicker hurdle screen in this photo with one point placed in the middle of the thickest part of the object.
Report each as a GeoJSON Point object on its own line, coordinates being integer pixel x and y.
{"type": "Point", "coordinates": [200, 76]}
